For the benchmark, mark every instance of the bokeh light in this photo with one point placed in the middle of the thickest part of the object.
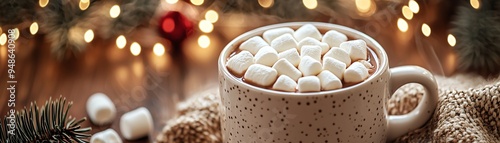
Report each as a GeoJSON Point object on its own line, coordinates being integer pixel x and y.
{"type": "Point", "coordinates": [426, 30]}
{"type": "Point", "coordinates": [204, 41]}
{"type": "Point", "coordinates": [172, 1]}
{"type": "Point", "coordinates": [121, 41]}
{"type": "Point", "coordinates": [3, 39]}
{"type": "Point", "coordinates": [363, 6]}
{"type": "Point", "coordinates": [266, 3]}
{"type": "Point", "coordinates": [84, 4]}
{"type": "Point", "coordinates": [451, 40]}
{"type": "Point", "coordinates": [158, 49]}
{"type": "Point", "coordinates": [16, 33]}
{"type": "Point", "coordinates": [475, 4]}
{"type": "Point", "coordinates": [114, 11]}
{"type": "Point", "coordinates": [197, 2]}
{"type": "Point", "coordinates": [34, 28]}
{"type": "Point", "coordinates": [43, 3]}
{"type": "Point", "coordinates": [310, 4]}
{"type": "Point", "coordinates": [135, 49]}
{"type": "Point", "coordinates": [414, 6]}
{"type": "Point", "coordinates": [407, 13]}
{"type": "Point", "coordinates": [206, 26]}
{"type": "Point", "coordinates": [402, 25]}
{"type": "Point", "coordinates": [89, 36]}
{"type": "Point", "coordinates": [212, 16]}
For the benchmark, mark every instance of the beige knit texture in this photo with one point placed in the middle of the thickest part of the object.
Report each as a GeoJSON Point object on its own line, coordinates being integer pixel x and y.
{"type": "Point", "coordinates": [468, 111]}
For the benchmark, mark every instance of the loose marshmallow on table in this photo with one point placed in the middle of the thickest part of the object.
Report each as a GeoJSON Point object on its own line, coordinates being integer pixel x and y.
{"type": "Point", "coordinates": [100, 109]}
{"type": "Point", "coordinates": [261, 75]}
{"type": "Point", "coordinates": [309, 66]}
{"type": "Point", "coordinates": [284, 83]}
{"type": "Point", "coordinates": [356, 49]}
{"type": "Point", "coordinates": [312, 41]}
{"type": "Point", "coordinates": [355, 73]}
{"type": "Point", "coordinates": [339, 54]}
{"type": "Point", "coordinates": [266, 56]}
{"type": "Point", "coordinates": [106, 136]}
{"type": "Point", "coordinates": [291, 55]}
{"type": "Point", "coordinates": [136, 124]}
{"type": "Point", "coordinates": [284, 67]}
{"type": "Point", "coordinates": [335, 66]}
{"type": "Point", "coordinates": [329, 81]}
{"type": "Point", "coordinates": [240, 62]}
{"type": "Point", "coordinates": [307, 30]}
{"type": "Point", "coordinates": [334, 38]}
{"type": "Point", "coordinates": [270, 35]}
{"type": "Point", "coordinates": [253, 44]}
{"type": "Point", "coordinates": [312, 51]}
{"type": "Point", "coordinates": [284, 42]}
{"type": "Point", "coordinates": [309, 84]}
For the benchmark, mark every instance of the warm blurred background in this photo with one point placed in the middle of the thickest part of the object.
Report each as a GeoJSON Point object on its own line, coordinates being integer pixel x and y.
{"type": "Point", "coordinates": [156, 53]}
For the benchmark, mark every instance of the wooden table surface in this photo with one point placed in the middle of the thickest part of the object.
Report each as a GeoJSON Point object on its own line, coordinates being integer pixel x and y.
{"type": "Point", "coordinates": [158, 83]}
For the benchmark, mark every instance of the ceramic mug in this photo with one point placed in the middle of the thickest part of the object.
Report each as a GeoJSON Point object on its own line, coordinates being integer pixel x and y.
{"type": "Point", "coordinates": [356, 113]}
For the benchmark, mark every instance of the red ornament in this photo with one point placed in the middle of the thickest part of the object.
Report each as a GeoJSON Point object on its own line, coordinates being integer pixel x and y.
{"type": "Point", "coordinates": [175, 27]}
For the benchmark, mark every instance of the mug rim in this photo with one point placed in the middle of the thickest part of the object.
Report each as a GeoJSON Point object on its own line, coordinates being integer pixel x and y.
{"type": "Point", "coordinates": [375, 46]}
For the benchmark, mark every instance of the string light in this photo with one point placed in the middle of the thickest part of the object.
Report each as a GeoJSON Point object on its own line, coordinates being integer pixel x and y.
{"type": "Point", "coordinates": [88, 36]}
{"type": "Point", "coordinates": [402, 25]}
{"type": "Point", "coordinates": [43, 3]}
{"type": "Point", "coordinates": [3, 39]}
{"type": "Point", "coordinates": [204, 41]}
{"type": "Point", "coordinates": [84, 4]}
{"type": "Point", "coordinates": [114, 11]}
{"type": "Point", "coordinates": [426, 30]}
{"type": "Point", "coordinates": [451, 40]}
{"type": "Point", "coordinates": [197, 2]}
{"type": "Point", "coordinates": [121, 41]}
{"type": "Point", "coordinates": [206, 26]}
{"type": "Point", "coordinates": [172, 1]}
{"type": "Point", "coordinates": [159, 49]}
{"type": "Point", "coordinates": [414, 6]}
{"type": "Point", "coordinates": [135, 48]}
{"type": "Point", "coordinates": [363, 6]}
{"type": "Point", "coordinates": [266, 3]}
{"type": "Point", "coordinates": [34, 28]}
{"type": "Point", "coordinates": [475, 4]}
{"type": "Point", "coordinates": [407, 13]}
{"type": "Point", "coordinates": [212, 16]}
{"type": "Point", "coordinates": [310, 4]}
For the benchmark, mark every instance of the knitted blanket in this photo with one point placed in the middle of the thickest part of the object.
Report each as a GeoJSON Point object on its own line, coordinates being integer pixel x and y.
{"type": "Point", "coordinates": [468, 111]}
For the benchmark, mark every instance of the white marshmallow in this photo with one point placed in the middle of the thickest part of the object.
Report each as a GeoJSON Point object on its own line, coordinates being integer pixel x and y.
{"type": "Point", "coordinates": [291, 55]}
{"type": "Point", "coordinates": [100, 109]}
{"type": "Point", "coordinates": [335, 66]}
{"type": "Point", "coordinates": [312, 51]}
{"type": "Point", "coordinates": [367, 64]}
{"type": "Point", "coordinates": [136, 124]}
{"type": "Point", "coordinates": [329, 81]}
{"type": "Point", "coordinates": [284, 42]}
{"type": "Point", "coordinates": [261, 75]}
{"type": "Point", "coordinates": [334, 38]}
{"type": "Point", "coordinates": [240, 62]}
{"type": "Point", "coordinates": [355, 73]}
{"type": "Point", "coordinates": [339, 54]}
{"type": "Point", "coordinates": [253, 44]}
{"type": "Point", "coordinates": [284, 83]}
{"type": "Point", "coordinates": [284, 67]}
{"type": "Point", "coordinates": [307, 30]}
{"type": "Point", "coordinates": [309, 84]}
{"type": "Point", "coordinates": [106, 136]}
{"type": "Point", "coordinates": [356, 49]}
{"type": "Point", "coordinates": [309, 66]}
{"type": "Point", "coordinates": [312, 41]}
{"type": "Point", "coordinates": [270, 35]}
{"type": "Point", "coordinates": [266, 56]}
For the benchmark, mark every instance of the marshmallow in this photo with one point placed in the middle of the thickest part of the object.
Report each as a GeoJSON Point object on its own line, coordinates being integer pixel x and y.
{"type": "Point", "coordinates": [266, 56]}
{"type": "Point", "coordinates": [309, 66]}
{"type": "Point", "coordinates": [106, 136]}
{"type": "Point", "coordinates": [329, 81]}
{"type": "Point", "coordinates": [136, 124]}
{"type": "Point", "coordinates": [270, 35]}
{"type": "Point", "coordinates": [291, 55]}
{"type": "Point", "coordinates": [335, 66]}
{"type": "Point", "coordinates": [284, 42]}
{"type": "Point", "coordinates": [312, 51]}
{"type": "Point", "coordinates": [312, 41]}
{"type": "Point", "coordinates": [284, 67]}
{"type": "Point", "coordinates": [309, 84]}
{"type": "Point", "coordinates": [307, 30]}
{"type": "Point", "coordinates": [367, 64]}
{"type": "Point", "coordinates": [284, 83]}
{"type": "Point", "coordinates": [100, 109]}
{"type": "Point", "coordinates": [355, 73]}
{"type": "Point", "coordinates": [253, 44]}
{"type": "Point", "coordinates": [356, 49]}
{"type": "Point", "coordinates": [334, 38]}
{"type": "Point", "coordinates": [240, 62]}
{"type": "Point", "coordinates": [261, 75]}
{"type": "Point", "coordinates": [339, 54]}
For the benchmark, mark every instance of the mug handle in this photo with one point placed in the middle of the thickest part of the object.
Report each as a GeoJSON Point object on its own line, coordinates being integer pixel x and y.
{"type": "Point", "coordinates": [402, 124]}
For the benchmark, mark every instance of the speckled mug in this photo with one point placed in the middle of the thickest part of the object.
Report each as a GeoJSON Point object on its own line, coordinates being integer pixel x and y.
{"type": "Point", "coordinates": [355, 114]}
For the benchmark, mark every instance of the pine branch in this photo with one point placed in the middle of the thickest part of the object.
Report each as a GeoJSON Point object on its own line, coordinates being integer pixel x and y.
{"type": "Point", "coordinates": [48, 124]}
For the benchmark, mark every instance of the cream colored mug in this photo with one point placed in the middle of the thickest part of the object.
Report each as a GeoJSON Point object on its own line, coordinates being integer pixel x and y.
{"type": "Point", "coordinates": [355, 114]}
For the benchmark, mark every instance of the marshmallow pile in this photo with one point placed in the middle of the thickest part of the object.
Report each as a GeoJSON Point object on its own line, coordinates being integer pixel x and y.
{"type": "Point", "coordinates": [301, 60]}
